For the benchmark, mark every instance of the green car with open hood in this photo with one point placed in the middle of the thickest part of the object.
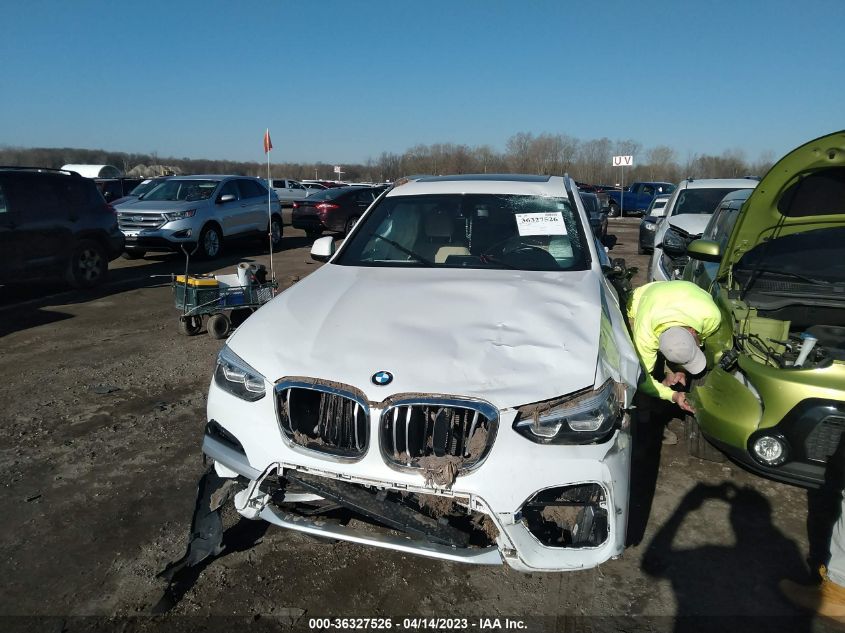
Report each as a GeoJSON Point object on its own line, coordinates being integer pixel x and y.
{"type": "Point", "coordinates": [774, 261]}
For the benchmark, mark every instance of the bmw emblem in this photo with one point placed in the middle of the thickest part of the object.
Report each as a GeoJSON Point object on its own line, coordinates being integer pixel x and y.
{"type": "Point", "coordinates": [382, 378]}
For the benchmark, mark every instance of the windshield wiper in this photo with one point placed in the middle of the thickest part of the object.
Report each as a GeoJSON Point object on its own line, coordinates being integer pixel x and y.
{"type": "Point", "coordinates": [756, 272]}
{"type": "Point", "coordinates": [407, 251]}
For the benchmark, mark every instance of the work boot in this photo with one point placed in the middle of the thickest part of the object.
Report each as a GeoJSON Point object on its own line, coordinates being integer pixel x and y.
{"type": "Point", "coordinates": [826, 599]}
{"type": "Point", "coordinates": [670, 438]}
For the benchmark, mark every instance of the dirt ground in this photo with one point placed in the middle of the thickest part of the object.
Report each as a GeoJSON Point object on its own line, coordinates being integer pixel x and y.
{"type": "Point", "coordinates": [103, 407]}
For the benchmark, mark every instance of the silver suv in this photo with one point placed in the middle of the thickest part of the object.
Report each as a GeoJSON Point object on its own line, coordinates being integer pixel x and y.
{"type": "Point", "coordinates": [200, 211]}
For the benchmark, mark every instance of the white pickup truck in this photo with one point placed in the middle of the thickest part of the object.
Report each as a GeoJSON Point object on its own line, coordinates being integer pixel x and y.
{"type": "Point", "coordinates": [289, 190]}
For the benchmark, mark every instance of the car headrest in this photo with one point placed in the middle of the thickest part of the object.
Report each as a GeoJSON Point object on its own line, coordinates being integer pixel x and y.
{"type": "Point", "coordinates": [438, 224]}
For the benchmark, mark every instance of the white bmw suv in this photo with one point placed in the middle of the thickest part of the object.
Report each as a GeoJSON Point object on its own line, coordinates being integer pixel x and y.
{"type": "Point", "coordinates": [458, 375]}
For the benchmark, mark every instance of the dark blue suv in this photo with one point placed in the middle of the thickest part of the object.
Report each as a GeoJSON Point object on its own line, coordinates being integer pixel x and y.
{"type": "Point", "coordinates": [55, 224]}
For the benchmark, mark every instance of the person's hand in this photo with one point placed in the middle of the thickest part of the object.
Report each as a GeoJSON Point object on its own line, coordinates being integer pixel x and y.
{"type": "Point", "coordinates": [675, 378]}
{"type": "Point", "coordinates": [680, 399]}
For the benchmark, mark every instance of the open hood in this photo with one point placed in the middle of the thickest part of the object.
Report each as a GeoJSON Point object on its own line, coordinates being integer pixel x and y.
{"type": "Point", "coordinates": [692, 224]}
{"type": "Point", "coordinates": [804, 190]}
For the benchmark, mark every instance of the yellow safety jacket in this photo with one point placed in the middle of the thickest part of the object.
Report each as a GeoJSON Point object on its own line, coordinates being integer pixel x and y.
{"type": "Point", "coordinates": [660, 305]}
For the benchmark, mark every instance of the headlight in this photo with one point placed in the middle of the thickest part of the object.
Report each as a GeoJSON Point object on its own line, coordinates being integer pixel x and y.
{"type": "Point", "coordinates": [673, 243]}
{"type": "Point", "coordinates": [582, 418]}
{"type": "Point", "coordinates": [234, 376]}
{"type": "Point", "coordinates": [649, 226]}
{"type": "Point", "coordinates": [180, 215]}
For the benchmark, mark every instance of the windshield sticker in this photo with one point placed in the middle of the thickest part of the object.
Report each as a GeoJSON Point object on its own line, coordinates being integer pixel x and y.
{"type": "Point", "coordinates": [550, 223]}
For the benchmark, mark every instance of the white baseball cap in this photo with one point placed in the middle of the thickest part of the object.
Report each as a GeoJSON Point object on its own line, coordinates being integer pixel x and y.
{"type": "Point", "coordinates": [678, 345]}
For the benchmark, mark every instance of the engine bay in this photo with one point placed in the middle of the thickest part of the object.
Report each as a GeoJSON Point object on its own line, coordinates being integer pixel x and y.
{"type": "Point", "coordinates": [793, 336]}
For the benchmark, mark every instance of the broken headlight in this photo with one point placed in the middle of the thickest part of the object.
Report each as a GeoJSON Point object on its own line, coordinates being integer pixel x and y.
{"type": "Point", "coordinates": [236, 377]}
{"type": "Point", "coordinates": [582, 418]}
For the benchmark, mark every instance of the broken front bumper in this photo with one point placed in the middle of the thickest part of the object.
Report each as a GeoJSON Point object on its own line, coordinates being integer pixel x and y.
{"type": "Point", "coordinates": [515, 476]}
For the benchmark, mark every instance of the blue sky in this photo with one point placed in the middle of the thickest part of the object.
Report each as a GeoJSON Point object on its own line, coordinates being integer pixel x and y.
{"type": "Point", "coordinates": [343, 81]}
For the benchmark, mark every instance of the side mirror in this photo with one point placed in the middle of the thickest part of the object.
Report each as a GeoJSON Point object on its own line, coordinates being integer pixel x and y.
{"type": "Point", "coordinates": [227, 197]}
{"type": "Point", "coordinates": [705, 250]}
{"type": "Point", "coordinates": [322, 249]}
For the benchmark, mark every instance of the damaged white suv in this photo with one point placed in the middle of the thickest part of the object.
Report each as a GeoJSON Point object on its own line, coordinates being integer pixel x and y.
{"type": "Point", "coordinates": [454, 382]}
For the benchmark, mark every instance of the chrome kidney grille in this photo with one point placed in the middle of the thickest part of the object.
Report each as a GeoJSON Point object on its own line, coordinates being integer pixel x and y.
{"type": "Point", "coordinates": [416, 428]}
{"type": "Point", "coordinates": [324, 417]}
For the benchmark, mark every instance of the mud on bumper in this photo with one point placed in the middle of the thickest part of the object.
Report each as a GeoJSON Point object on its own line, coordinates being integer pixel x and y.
{"type": "Point", "coordinates": [571, 520]}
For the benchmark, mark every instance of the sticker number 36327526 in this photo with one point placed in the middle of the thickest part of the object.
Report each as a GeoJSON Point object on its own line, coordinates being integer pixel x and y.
{"type": "Point", "coordinates": [550, 223]}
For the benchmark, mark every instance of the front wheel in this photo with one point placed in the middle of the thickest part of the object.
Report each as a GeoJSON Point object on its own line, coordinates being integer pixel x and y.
{"type": "Point", "coordinates": [211, 242]}
{"type": "Point", "coordinates": [613, 210]}
{"type": "Point", "coordinates": [697, 444]}
{"type": "Point", "coordinates": [190, 326]}
{"type": "Point", "coordinates": [88, 266]}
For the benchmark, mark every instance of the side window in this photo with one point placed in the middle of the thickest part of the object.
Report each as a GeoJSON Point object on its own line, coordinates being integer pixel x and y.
{"type": "Point", "coordinates": [365, 197]}
{"type": "Point", "coordinates": [296, 185]}
{"type": "Point", "coordinates": [229, 188]}
{"type": "Point", "coordinates": [250, 189]}
{"type": "Point", "coordinates": [278, 184]}
{"type": "Point", "coordinates": [648, 190]}
{"type": "Point", "coordinates": [37, 198]}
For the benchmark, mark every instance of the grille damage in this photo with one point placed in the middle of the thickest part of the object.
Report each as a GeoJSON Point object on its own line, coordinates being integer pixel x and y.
{"type": "Point", "coordinates": [443, 437]}
{"type": "Point", "coordinates": [323, 416]}
{"type": "Point", "coordinates": [433, 518]}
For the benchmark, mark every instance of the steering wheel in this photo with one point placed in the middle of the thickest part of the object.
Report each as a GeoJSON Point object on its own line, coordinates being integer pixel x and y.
{"type": "Point", "coordinates": [513, 248]}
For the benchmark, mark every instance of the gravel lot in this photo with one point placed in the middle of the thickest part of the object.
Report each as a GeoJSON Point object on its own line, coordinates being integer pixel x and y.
{"type": "Point", "coordinates": [102, 417]}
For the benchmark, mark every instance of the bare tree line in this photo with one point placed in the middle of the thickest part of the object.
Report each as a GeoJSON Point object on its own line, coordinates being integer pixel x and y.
{"type": "Point", "coordinates": [587, 161]}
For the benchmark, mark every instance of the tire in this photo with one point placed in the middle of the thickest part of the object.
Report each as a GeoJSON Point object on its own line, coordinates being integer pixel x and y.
{"type": "Point", "coordinates": [190, 326]}
{"type": "Point", "coordinates": [88, 266]}
{"type": "Point", "coordinates": [276, 230]}
{"type": "Point", "coordinates": [350, 224]}
{"type": "Point", "coordinates": [134, 253]}
{"type": "Point", "coordinates": [640, 249]}
{"type": "Point", "coordinates": [697, 444]}
{"type": "Point", "coordinates": [211, 242]}
{"type": "Point", "coordinates": [313, 233]}
{"type": "Point", "coordinates": [613, 210]}
{"type": "Point", "coordinates": [218, 326]}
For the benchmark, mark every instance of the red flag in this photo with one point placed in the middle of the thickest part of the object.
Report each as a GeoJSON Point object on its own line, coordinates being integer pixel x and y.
{"type": "Point", "coordinates": [268, 144]}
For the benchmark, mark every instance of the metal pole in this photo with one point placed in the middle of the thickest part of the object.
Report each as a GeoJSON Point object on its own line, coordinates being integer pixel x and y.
{"type": "Point", "coordinates": [270, 216]}
{"type": "Point", "coordinates": [622, 193]}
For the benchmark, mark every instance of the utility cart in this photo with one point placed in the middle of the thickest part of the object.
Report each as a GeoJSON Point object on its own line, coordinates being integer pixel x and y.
{"type": "Point", "coordinates": [225, 299]}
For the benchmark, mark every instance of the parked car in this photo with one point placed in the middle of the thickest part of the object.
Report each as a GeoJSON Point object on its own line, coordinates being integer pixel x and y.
{"type": "Point", "coordinates": [687, 212]}
{"type": "Point", "coordinates": [289, 190]}
{"type": "Point", "coordinates": [774, 261]}
{"type": "Point", "coordinates": [113, 189]}
{"type": "Point", "coordinates": [596, 214]}
{"type": "Point", "coordinates": [314, 187]}
{"type": "Point", "coordinates": [635, 199]}
{"type": "Point", "coordinates": [55, 224]}
{"type": "Point", "coordinates": [648, 224]}
{"type": "Point", "coordinates": [481, 407]}
{"type": "Point", "coordinates": [200, 211]}
{"type": "Point", "coordinates": [148, 184]}
{"type": "Point", "coordinates": [335, 209]}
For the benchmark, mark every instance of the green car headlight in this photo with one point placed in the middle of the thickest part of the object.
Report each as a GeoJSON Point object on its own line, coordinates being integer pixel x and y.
{"type": "Point", "coordinates": [585, 417]}
{"type": "Point", "coordinates": [236, 377]}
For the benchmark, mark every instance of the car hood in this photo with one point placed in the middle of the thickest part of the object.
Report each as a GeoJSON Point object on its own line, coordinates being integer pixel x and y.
{"type": "Point", "coordinates": [761, 217]}
{"type": "Point", "coordinates": [151, 206]}
{"type": "Point", "coordinates": [691, 223]}
{"type": "Point", "coordinates": [508, 337]}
